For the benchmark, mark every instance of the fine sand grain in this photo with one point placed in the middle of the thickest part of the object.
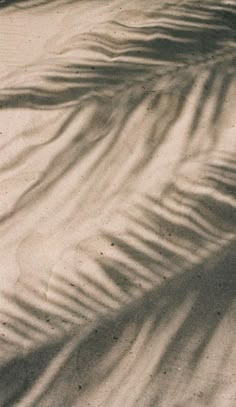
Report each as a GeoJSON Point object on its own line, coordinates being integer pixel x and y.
{"type": "Point", "coordinates": [117, 203]}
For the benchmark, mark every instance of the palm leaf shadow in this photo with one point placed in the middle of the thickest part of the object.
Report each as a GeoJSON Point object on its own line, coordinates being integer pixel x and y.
{"type": "Point", "coordinates": [157, 66]}
{"type": "Point", "coordinates": [30, 4]}
{"type": "Point", "coordinates": [162, 272]}
{"type": "Point", "coordinates": [157, 288]}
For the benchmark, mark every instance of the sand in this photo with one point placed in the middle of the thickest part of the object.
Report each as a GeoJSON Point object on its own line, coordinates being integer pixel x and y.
{"type": "Point", "coordinates": [117, 204]}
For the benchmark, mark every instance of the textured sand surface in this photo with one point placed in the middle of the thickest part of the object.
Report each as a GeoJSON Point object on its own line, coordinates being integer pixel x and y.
{"type": "Point", "coordinates": [117, 204]}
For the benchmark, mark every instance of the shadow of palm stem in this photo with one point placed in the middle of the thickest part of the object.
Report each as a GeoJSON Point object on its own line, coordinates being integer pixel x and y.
{"type": "Point", "coordinates": [168, 283]}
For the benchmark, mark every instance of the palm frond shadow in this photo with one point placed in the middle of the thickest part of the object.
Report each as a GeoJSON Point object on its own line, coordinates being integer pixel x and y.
{"type": "Point", "coordinates": [174, 275]}
{"type": "Point", "coordinates": [157, 277]}
{"type": "Point", "coordinates": [31, 4]}
{"type": "Point", "coordinates": [142, 68]}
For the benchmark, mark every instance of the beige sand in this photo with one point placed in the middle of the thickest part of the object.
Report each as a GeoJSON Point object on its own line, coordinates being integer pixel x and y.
{"type": "Point", "coordinates": [117, 204]}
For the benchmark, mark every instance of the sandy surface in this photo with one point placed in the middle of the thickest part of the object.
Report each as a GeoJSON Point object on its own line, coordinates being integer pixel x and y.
{"type": "Point", "coordinates": [117, 204]}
